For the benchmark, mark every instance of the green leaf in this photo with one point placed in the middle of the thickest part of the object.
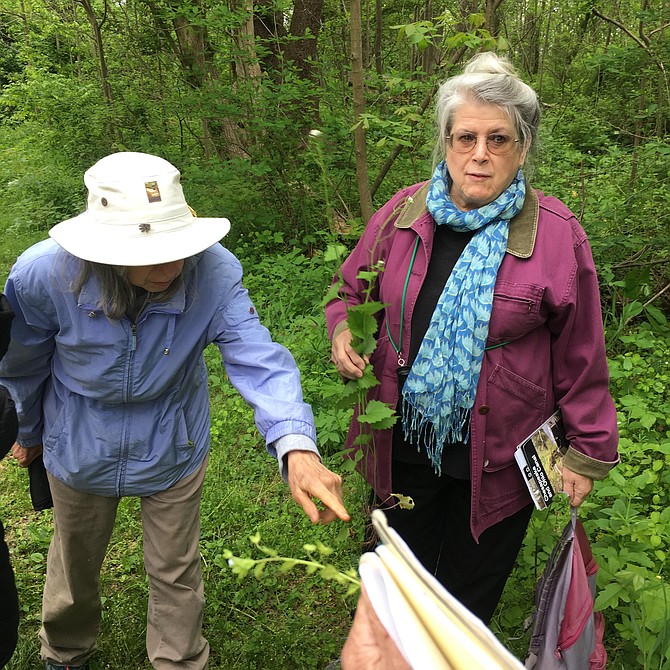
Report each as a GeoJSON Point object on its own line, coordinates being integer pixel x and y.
{"type": "Point", "coordinates": [353, 588]}
{"type": "Point", "coordinates": [378, 415]}
{"type": "Point", "coordinates": [332, 293]}
{"type": "Point", "coordinates": [329, 571]}
{"type": "Point", "coordinates": [335, 253]}
{"type": "Point", "coordinates": [656, 315]}
{"type": "Point", "coordinates": [268, 551]}
{"type": "Point", "coordinates": [632, 309]}
{"type": "Point", "coordinates": [348, 465]}
{"type": "Point", "coordinates": [343, 535]}
{"type": "Point", "coordinates": [608, 596]}
{"type": "Point", "coordinates": [288, 565]}
{"type": "Point", "coordinates": [368, 380]}
{"type": "Point", "coordinates": [323, 549]}
{"type": "Point", "coordinates": [404, 502]}
{"type": "Point", "coordinates": [648, 420]}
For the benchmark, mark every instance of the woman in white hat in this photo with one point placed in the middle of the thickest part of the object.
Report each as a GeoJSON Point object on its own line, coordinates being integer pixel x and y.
{"type": "Point", "coordinates": [113, 314]}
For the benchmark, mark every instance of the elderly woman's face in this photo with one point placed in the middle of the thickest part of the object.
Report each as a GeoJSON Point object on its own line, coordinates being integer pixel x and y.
{"type": "Point", "coordinates": [479, 176]}
{"type": "Point", "coordinates": [155, 278]}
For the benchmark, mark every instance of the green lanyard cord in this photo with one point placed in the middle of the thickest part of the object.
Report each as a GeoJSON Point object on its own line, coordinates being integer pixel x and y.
{"type": "Point", "coordinates": [495, 346]}
{"type": "Point", "coordinates": [397, 348]}
{"type": "Point", "coordinates": [401, 361]}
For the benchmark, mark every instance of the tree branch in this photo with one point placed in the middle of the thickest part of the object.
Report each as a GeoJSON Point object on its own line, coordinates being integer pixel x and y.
{"type": "Point", "coordinates": [643, 43]}
{"type": "Point", "coordinates": [658, 295]}
{"type": "Point", "coordinates": [660, 29]}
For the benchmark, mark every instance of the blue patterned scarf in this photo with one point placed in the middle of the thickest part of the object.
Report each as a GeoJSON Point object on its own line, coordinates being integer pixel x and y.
{"type": "Point", "coordinates": [440, 389]}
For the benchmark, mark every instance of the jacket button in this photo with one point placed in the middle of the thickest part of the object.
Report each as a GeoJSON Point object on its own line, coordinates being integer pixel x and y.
{"type": "Point", "coordinates": [484, 409]}
{"type": "Point", "coordinates": [486, 463]}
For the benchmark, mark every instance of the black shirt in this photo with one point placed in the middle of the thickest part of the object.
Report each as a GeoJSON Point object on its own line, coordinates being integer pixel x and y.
{"type": "Point", "coordinates": [448, 245]}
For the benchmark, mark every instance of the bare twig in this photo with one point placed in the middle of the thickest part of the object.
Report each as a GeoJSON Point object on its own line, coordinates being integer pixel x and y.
{"type": "Point", "coordinates": [633, 264]}
{"type": "Point", "coordinates": [658, 295]}
{"type": "Point", "coordinates": [633, 258]}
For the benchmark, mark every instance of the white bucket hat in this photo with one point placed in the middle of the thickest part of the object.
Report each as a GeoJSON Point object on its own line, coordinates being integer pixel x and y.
{"type": "Point", "coordinates": [136, 215]}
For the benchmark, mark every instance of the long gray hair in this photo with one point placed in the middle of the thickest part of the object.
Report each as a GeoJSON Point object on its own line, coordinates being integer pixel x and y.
{"type": "Point", "coordinates": [491, 80]}
{"type": "Point", "coordinates": [117, 295]}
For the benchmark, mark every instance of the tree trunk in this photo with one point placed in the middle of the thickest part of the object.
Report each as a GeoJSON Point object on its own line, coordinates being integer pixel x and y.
{"type": "Point", "coordinates": [247, 67]}
{"type": "Point", "coordinates": [304, 31]}
{"type": "Point", "coordinates": [195, 54]}
{"type": "Point", "coordinates": [492, 19]}
{"type": "Point", "coordinates": [269, 29]}
{"type": "Point", "coordinates": [297, 46]}
{"type": "Point", "coordinates": [359, 108]}
{"type": "Point", "coordinates": [430, 56]}
{"type": "Point", "coordinates": [378, 37]}
{"type": "Point", "coordinates": [545, 49]}
{"type": "Point", "coordinates": [96, 27]}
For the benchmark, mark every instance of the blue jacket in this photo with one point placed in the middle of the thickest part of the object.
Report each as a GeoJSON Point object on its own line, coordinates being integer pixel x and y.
{"type": "Point", "coordinates": [123, 408]}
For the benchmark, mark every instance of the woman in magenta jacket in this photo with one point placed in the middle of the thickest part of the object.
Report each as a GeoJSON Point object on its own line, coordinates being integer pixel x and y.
{"type": "Point", "coordinates": [492, 322]}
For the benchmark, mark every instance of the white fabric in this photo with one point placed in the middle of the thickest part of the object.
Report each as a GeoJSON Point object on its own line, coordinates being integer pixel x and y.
{"type": "Point", "coordinates": [136, 215]}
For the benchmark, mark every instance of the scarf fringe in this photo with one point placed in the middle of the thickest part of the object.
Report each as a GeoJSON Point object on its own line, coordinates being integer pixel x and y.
{"type": "Point", "coordinates": [419, 430]}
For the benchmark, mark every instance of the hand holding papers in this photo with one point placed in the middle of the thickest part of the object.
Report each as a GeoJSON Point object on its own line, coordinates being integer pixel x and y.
{"type": "Point", "coordinates": [432, 630]}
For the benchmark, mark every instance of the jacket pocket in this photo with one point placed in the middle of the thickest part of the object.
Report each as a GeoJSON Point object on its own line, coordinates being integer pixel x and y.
{"type": "Point", "coordinates": [239, 311]}
{"type": "Point", "coordinates": [515, 311]}
{"type": "Point", "coordinates": [516, 407]}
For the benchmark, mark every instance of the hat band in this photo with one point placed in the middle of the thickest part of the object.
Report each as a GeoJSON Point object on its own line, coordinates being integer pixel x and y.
{"type": "Point", "coordinates": [147, 224]}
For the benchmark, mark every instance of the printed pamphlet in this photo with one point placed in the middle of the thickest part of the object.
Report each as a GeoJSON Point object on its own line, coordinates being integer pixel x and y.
{"type": "Point", "coordinates": [539, 458]}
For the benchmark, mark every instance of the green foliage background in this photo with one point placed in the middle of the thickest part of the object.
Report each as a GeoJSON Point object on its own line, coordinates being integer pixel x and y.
{"type": "Point", "coordinates": [292, 197]}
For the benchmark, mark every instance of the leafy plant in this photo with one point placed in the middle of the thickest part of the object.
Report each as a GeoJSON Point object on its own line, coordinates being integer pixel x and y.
{"type": "Point", "coordinates": [371, 414]}
{"type": "Point", "coordinates": [241, 566]}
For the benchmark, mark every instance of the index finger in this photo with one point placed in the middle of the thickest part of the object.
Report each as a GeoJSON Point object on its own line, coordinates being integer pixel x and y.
{"type": "Point", "coordinates": [333, 502]}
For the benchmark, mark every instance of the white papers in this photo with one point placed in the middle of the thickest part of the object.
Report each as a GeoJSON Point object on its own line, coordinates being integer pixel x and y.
{"type": "Point", "coordinates": [432, 629]}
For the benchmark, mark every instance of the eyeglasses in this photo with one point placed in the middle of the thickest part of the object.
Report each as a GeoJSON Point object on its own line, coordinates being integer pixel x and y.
{"type": "Point", "coordinates": [497, 144]}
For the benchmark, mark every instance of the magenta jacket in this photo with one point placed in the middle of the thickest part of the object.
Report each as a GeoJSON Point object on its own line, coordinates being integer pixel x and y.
{"type": "Point", "coordinates": [546, 317]}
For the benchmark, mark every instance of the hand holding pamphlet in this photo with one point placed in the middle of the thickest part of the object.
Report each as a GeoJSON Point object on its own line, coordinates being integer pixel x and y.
{"type": "Point", "coordinates": [539, 458]}
{"type": "Point", "coordinates": [430, 627]}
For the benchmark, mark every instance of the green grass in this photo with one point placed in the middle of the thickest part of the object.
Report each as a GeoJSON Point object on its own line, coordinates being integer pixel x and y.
{"type": "Point", "coordinates": [286, 620]}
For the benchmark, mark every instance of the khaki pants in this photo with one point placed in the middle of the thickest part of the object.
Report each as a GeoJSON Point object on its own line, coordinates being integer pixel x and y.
{"type": "Point", "coordinates": [71, 605]}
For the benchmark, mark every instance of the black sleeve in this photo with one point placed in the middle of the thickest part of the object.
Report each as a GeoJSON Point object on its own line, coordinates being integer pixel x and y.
{"type": "Point", "coordinates": [6, 316]}
{"type": "Point", "coordinates": [9, 424]}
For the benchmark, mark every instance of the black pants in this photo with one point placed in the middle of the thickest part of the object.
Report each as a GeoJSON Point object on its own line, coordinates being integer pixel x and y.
{"type": "Point", "coordinates": [438, 532]}
{"type": "Point", "coordinates": [9, 604]}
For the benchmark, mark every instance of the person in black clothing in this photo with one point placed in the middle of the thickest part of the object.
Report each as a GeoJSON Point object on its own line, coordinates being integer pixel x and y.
{"type": "Point", "coordinates": [9, 603]}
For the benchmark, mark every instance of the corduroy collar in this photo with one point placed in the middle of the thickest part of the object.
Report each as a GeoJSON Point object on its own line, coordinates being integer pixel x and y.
{"type": "Point", "coordinates": [522, 228]}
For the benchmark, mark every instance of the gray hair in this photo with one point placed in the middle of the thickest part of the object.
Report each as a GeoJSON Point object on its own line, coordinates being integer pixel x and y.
{"type": "Point", "coordinates": [491, 80]}
{"type": "Point", "coordinates": [117, 294]}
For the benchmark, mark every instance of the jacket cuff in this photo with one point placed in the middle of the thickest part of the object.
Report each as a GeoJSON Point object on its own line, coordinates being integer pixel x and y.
{"type": "Point", "coordinates": [29, 442]}
{"type": "Point", "coordinates": [284, 445]}
{"type": "Point", "coordinates": [586, 466]}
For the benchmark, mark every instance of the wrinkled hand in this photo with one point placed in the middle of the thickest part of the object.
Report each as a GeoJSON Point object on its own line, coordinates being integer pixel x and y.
{"type": "Point", "coordinates": [576, 486]}
{"type": "Point", "coordinates": [348, 363]}
{"type": "Point", "coordinates": [25, 455]}
{"type": "Point", "coordinates": [308, 479]}
{"type": "Point", "coordinates": [369, 646]}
